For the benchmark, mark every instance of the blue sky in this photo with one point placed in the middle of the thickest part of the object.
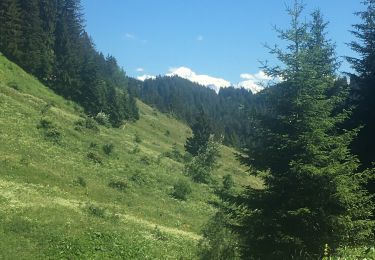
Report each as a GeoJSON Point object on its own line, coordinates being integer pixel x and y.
{"type": "Point", "coordinates": [218, 38]}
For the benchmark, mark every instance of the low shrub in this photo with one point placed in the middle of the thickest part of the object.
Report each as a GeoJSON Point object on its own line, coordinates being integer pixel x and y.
{"type": "Point", "coordinates": [95, 157]}
{"type": "Point", "coordinates": [201, 166]}
{"type": "Point", "coordinates": [79, 125]}
{"type": "Point", "coordinates": [91, 124]}
{"type": "Point", "coordinates": [138, 178]}
{"type": "Point", "coordinates": [96, 211]}
{"type": "Point", "coordinates": [93, 145]}
{"type": "Point", "coordinates": [87, 123]}
{"type": "Point", "coordinates": [53, 135]}
{"type": "Point", "coordinates": [137, 139]}
{"type": "Point", "coordinates": [50, 131]}
{"type": "Point", "coordinates": [80, 181]}
{"type": "Point", "coordinates": [44, 124]}
{"type": "Point", "coordinates": [181, 189]}
{"type": "Point", "coordinates": [158, 234]}
{"type": "Point", "coordinates": [108, 148]}
{"type": "Point", "coordinates": [146, 160]}
{"type": "Point", "coordinates": [103, 119]}
{"type": "Point", "coordinates": [118, 185]}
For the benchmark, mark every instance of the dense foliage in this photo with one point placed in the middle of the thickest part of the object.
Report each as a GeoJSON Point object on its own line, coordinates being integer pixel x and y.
{"type": "Point", "coordinates": [47, 38]}
{"type": "Point", "coordinates": [363, 88]}
{"type": "Point", "coordinates": [313, 192]}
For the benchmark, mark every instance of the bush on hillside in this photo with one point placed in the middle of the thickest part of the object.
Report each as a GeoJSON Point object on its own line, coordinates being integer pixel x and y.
{"type": "Point", "coordinates": [158, 234]}
{"type": "Point", "coordinates": [137, 139]}
{"type": "Point", "coordinates": [201, 166]}
{"type": "Point", "coordinates": [95, 157]}
{"type": "Point", "coordinates": [146, 160]}
{"type": "Point", "coordinates": [103, 119]}
{"type": "Point", "coordinates": [50, 131]}
{"type": "Point", "coordinates": [88, 123]}
{"type": "Point", "coordinates": [139, 178]}
{"type": "Point", "coordinates": [119, 185]}
{"type": "Point", "coordinates": [80, 181]}
{"type": "Point", "coordinates": [108, 148]}
{"type": "Point", "coordinates": [96, 211]}
{"type": "Point", "coordinates": [181, 189]}
{"type": "Point", "coordinates": [91, 124]}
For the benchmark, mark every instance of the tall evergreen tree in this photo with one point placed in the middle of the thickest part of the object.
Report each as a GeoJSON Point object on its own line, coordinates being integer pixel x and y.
{"type": "Point", "coordinates": [313, 194]}
{"type": "Point", "coordinates": [92, 93]}
{"type": "Point", "coordinates": [363, 90]}
{"type": "Point", "coordinates": [68, 30]}
{"type": "Point", "coordinates": [201, 134]}
{"type": "Point", "coordinates": [10, 29]}
{"type": "Point", "coordinates": [48, 16]}
{"type": "Point", "coordinates": [32, 38]}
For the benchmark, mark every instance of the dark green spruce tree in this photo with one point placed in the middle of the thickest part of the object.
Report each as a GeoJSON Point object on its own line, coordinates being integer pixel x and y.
{"type": "Point", "coordinates": [363, 90]}
{"type": "Point", "coordinates": [201, 133]}
{"type": "Point", "coordinates": [32, 38]}
{"type": "Point", "coordinates": [92, 93]}
{"type": "Point", "coordinates": [48, 17]}
{"type": "Point", "coordinates": [313, 192]}
{"type": "Point", "coordinates": [68, 31]}
{"type": "Point", "coordinates": [10, 29]}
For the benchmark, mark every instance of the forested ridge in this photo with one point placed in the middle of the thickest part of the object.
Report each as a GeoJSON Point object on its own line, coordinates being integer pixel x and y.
{"type": "Point", "coordinates": [185, 99]}
{"type": "Point", "coordinates": [47, 38]}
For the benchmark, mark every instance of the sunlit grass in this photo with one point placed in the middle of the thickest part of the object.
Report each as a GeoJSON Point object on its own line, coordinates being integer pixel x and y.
{"type": "Point", "coordinates": [58, 201]}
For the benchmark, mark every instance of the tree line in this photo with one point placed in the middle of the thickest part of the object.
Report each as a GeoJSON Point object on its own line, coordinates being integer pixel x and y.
{"type": "Point", "coordinates": [186, 100]}
{"type": "Point", "coordinates": [47, 38]}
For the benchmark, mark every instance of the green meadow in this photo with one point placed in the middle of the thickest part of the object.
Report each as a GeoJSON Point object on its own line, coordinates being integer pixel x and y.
{"type": "Point", "coordinates": [71, 189]}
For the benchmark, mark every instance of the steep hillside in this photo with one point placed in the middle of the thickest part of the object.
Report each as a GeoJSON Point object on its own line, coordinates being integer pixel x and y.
{"type": "Point", "coordinates": [68, 190]}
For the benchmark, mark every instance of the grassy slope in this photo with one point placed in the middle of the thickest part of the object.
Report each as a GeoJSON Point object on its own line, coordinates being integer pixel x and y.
{"type": "Point", "coordinates": [44, 213]}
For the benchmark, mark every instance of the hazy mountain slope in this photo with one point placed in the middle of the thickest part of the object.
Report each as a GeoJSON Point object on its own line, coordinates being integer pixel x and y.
{"type": "Point", "coordinates": [57, 202]}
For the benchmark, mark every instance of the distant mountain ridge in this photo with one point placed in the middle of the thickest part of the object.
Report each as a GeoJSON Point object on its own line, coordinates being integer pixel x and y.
{"type": "Point", "coordinates": [225, 107]}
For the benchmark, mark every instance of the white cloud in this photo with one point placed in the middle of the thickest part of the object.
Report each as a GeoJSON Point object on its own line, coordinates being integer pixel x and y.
{"type": "Point", "coordinates": [144, 77]}
{"type": "Point", "coordinates": [140, 70]}
{"type": "Point", "coordinates": [260, 76]}
{"type": "Point", "coordinates": [254, 82]}
{"type": "Point", "coordinates": [250, 85]}
{"type": "Point", "coordinates": [205, 80]}
{"type": "Point", "coordinates": [200, 38]}
{"type": "Point", "coordinates": [130, 36]}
